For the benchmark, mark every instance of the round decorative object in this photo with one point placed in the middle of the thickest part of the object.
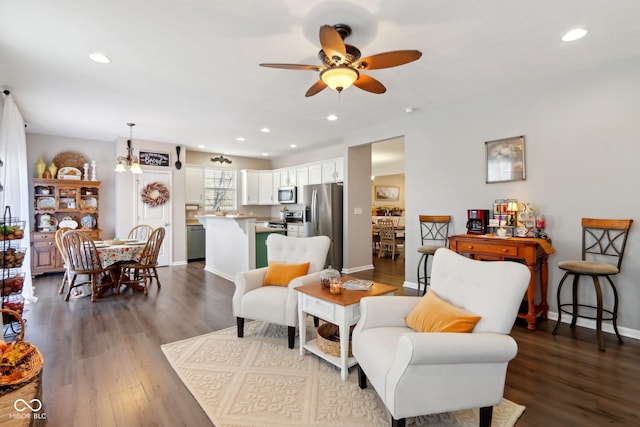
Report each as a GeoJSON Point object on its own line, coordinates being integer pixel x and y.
{"type": "Point", "coordinates": [327, 275]}
{"type": "Point", "coordinates": [88, 222]}
{"type": "Point", "coordinates": [69, 159]}
{"type": "Point", "coordinates": [155, 194]}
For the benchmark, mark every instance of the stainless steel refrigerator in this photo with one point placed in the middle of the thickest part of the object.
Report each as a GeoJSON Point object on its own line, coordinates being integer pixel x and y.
{"type": "Point", "coordinates": [323, 217]}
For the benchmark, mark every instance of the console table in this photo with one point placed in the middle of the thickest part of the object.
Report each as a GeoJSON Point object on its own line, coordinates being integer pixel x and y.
{"type": "Point", "coordinates": [529, 251]}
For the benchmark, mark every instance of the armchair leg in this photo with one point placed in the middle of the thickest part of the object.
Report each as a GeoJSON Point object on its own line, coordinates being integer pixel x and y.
{"type": "Point", "coordinates": [362, 378]}
{"type": "Point", "coordinates": [398, 423]}
{"type": "Point", "coordinates": [292, 335]}
{"type": "Point", "coordinates": [240, 323]}
{"type": "Point", "coordinates": [486, 414]}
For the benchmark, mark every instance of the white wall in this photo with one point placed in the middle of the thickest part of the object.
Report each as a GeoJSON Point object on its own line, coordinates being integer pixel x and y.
{"type": "Point", "coordinates": [582, 137]}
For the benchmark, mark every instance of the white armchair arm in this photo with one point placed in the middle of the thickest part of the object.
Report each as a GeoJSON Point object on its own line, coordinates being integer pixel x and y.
{"type": "Point", "coordinates": [246, 281]}
{"type": "Point", "coordinates": [291, 312]}
{"type": "Point", "coordinates": [376, 312]}
{"type": "Point", "coordinates": [416, 348]}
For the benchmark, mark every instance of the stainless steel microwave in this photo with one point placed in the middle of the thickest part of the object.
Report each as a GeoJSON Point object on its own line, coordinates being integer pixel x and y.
{"type": "Point", "coordinates": [287, 195]}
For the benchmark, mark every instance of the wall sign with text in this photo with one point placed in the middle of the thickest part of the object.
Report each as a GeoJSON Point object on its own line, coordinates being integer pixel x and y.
{"type": "Point", "coordinates": [148, 158]}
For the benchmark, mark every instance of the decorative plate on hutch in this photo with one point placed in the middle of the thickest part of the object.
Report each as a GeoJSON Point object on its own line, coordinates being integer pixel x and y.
{"type": "Point", "coordinates": [88, 221]}
{"type": "Point", "coordinates": [69, 173]}
{"type": "Point", "coordinates": [46, 203]}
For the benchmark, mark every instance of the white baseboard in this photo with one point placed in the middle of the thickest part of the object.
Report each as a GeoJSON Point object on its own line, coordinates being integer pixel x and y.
{"type": "Point", "coordinates": [356, 269]}
{"type": "Point", "coordinates": [591, 324]}
{"type": "Point", "coordinates": [176, 263]}
{"type": "Point", "coordinates": [219, 273]}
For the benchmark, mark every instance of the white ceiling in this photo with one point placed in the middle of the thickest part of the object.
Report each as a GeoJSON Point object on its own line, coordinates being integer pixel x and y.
{"type": "Point", "coordinates": [186, 72]}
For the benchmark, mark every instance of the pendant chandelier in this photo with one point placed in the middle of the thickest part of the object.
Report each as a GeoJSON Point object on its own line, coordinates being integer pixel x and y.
{"type": "Point", "coordinates": [130, 160]}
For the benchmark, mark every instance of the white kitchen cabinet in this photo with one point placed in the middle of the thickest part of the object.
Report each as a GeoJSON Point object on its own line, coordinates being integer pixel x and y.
{"type": "Point", "coordinates": [315, 174]}
{"type": "Point", "coordinates": [195, 186]}
{"type": "Point", "coordinates": [250, 187]}
{"type": "Point", "coordinates": [266, 193]}
{"type": "Point", "coordinates": [302, 179]}
{"type": "Point", "coordinates": [287, 177]}
{"type": "Point", "coordinates": [333, 170]}
{"type": "Point", "coordinates": [295, 230]}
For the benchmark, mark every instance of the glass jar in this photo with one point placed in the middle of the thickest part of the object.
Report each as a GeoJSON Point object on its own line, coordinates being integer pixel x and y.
{"type": "Point", "coordinates": [327, 275]}
{"type": "Point", "coordinates": [335, 286]}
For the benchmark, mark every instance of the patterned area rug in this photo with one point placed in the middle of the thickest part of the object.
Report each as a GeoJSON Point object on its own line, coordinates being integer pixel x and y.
{"type": "Point", "coordinates": [258, 381]}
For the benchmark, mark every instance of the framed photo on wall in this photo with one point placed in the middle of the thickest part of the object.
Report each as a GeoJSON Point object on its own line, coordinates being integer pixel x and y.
{"type": "Point", "coordinates": [391, 194]}
{"type": "Point", "coordinates": [505, 159]}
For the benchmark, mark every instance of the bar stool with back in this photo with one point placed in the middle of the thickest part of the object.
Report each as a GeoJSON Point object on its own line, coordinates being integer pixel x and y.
{"type": "Point", "coordinates": [601, 239]}
{"type": "Point", "coordinates": [434, 232]}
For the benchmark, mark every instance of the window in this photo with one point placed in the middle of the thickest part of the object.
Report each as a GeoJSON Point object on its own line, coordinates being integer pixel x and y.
{"type": "Point", "coordinates": [220, 189]}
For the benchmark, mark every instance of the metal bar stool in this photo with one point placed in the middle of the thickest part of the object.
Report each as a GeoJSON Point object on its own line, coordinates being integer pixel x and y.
{"type": "Point", "coordinates": [434, 231]}
{"type": "Point", "coordinates": [601, 239]}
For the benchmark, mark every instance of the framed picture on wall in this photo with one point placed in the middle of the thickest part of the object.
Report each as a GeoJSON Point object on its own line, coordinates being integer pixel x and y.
{"type": "Point", "coordinates": [505, 159]}
{"type": "Point", "coordinates": [391, 194]}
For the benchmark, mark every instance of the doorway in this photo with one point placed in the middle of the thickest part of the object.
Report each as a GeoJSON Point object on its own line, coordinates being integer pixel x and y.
{"type": "Point", "coordinates": [158, 215]}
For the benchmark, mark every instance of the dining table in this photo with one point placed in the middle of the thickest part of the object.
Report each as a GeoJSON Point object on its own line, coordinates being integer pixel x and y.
{"type": "Point", "coordinates": [112, 253]}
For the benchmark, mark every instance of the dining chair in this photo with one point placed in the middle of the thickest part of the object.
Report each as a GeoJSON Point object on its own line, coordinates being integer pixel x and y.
{"type": "Point", "coordinates": [434, 231]}
{"type": "Point", "coordinates": [83, 259]}
{"type": "Point", "coordinates": [389, 241]}
{"type": "Point", "coordinates": [144, 268]}
{"type": "Point", "coordinates": [602, 240]}
{"type": "Point", "coordinates": [58, 237]}
{"type": "Point", "coordinates": [140, 232]}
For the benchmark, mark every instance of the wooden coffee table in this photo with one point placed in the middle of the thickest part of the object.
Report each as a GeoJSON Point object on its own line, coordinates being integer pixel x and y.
{"type": "Point", "coordinates": [342, 310]}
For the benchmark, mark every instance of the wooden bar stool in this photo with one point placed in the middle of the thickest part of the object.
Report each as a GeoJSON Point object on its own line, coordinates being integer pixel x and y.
{"type": "Point", "coordinates": [434, 231]}
{"type": "Point", "coordinates": [601, 239]}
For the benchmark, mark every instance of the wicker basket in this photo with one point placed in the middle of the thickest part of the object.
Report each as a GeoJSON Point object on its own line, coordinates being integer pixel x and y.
{"type": "Point", "coordinates": [31, 364]}
{"type": "Point", "coordinates": [328, 339]}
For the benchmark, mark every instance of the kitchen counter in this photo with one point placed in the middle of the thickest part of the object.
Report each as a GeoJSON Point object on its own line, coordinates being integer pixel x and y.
{"type": "Point", "coordinates": [230, 244]}
{"type": "Point", "coordinates": [261, 229]}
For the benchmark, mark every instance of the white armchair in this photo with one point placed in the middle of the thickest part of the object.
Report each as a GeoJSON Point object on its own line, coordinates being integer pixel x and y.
{"type": "Point", "coordinates": [421, 373]}
{"type": "Point", "coordinates": [278, 304]}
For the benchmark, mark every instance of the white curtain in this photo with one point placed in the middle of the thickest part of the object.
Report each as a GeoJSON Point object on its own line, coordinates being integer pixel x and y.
{"type": "Point", "coordinates": [15, 181]}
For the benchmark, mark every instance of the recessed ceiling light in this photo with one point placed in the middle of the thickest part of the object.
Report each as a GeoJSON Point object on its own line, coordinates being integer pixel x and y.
{"type": "Point", "coordinates": [332, 117]}
{"type": "Point", "coordinates": [100, 58]}
{"type": "Point", "coordinates": [240, 139]}
{"type": "Point", "coordinates": [575, 34]}
{"type": "Point", "coordinates": [202, 146]}
{"type": "Point", "coordinates": [265, 130]}
{"type": "Point", "coordinates": [409, 110]}
{"type": "Point", "coordinates": [265, 154]}
{"type": "Point", "coordinates": [293, 146]}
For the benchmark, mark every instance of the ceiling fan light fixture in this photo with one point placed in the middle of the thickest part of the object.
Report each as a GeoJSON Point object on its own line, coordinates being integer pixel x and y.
{"type": "Point", "coordinates": [339, 78]}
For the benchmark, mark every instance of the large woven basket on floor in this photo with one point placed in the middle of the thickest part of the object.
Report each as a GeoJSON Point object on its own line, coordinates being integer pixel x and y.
{"type": "Point", "coordinates": [328, 339]}
{"type": "Point", "coordinates": [30, 365]}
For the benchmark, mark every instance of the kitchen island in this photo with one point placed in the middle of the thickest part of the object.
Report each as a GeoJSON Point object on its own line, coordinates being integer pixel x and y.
{"type": "Point", "coordinates": [230, 244]}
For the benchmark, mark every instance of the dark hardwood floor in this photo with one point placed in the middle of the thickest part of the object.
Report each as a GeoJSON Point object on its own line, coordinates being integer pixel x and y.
{"type": "Point", "coordinates": [104, 366]}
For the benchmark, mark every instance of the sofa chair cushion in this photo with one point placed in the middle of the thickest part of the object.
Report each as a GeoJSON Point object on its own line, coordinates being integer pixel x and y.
{"type": "Point", "coordinates": [280, 274]}
{"type": "Point", "coordinates": [432, 314]}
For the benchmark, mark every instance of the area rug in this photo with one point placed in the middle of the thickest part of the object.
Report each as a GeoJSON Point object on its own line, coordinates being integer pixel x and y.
{"type": "Point", "coordinates": [258, 381]}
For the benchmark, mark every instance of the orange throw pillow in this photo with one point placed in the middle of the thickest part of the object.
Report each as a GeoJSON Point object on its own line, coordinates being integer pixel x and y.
{"type": "Point", "coordinates": [280, 274]}
{"type": "Point", "coordinates": [433, 314]}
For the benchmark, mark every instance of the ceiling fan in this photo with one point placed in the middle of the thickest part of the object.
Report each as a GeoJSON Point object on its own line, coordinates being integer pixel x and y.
{"type": "Point", "coordinates": [341, 64]}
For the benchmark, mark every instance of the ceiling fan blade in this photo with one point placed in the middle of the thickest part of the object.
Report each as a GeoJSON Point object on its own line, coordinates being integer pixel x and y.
{"type": "Point", "coordinates": [369, 84]}
{"type": "Point", "coordinates": [317, 87]}
{"type": "Point", "coordinates": [332, 43]}
{"type": "Point", "coordinates": [388, 59]}
{"type": "Point", "coordinates": [293, 66]}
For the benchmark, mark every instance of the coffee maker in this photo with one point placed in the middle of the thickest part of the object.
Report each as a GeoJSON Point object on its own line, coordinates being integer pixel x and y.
{"type": "Point", "coordinates": [477, 221]}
